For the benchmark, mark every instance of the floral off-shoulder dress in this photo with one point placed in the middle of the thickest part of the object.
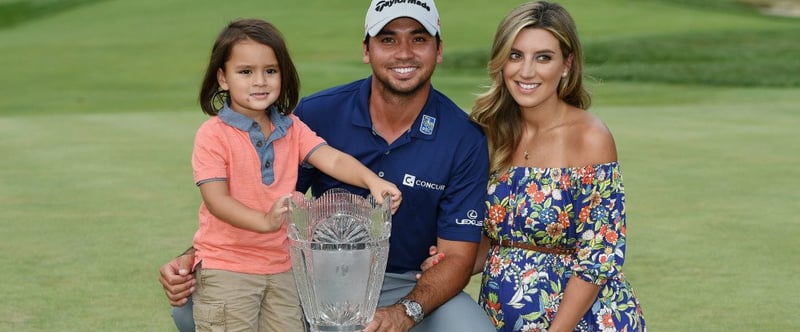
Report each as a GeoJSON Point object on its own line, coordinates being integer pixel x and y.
{"type": "Point", "coordinates": [578, 208]}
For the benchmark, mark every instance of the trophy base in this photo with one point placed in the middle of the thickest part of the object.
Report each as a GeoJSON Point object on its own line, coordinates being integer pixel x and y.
{"type": "Point", "coordinates": [335, 328]}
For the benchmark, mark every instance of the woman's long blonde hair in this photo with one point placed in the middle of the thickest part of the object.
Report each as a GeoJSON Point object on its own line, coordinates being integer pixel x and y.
{"type": "Point", "coordinates": [495, 110]}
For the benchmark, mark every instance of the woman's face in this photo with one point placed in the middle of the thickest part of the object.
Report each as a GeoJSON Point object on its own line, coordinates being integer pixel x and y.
{"type": "Point", "coordinates": [534, 68]}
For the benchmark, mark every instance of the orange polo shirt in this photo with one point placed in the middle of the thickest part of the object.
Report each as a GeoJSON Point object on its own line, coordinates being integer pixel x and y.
{"type": "Point", "coordinates": [243, 158]}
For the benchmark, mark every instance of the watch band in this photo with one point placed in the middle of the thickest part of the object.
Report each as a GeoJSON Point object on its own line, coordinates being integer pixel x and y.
{"type": "Point", "coordinates": [413, 309]}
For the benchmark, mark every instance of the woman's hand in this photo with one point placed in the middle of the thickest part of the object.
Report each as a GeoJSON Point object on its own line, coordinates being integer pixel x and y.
{"type": "Point", "coordinates": [435, 258]}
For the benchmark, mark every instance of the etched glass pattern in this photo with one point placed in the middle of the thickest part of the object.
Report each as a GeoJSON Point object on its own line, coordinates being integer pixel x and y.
{"type": "Point", "coordinates": [339, 247]}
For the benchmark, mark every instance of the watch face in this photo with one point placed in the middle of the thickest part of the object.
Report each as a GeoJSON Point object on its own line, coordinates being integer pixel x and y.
{"type": "Point", "coordinates": [413, 309]}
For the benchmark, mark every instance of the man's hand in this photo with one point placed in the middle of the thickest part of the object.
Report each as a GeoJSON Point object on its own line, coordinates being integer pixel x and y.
{"type": "Point", "coordinates": [177, 279]}
{"type": "Point", "coordinates": [390, 319]}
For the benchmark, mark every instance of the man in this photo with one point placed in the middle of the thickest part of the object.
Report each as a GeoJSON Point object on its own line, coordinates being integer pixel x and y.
{"type": "Point", "coordinates": [410, 134]}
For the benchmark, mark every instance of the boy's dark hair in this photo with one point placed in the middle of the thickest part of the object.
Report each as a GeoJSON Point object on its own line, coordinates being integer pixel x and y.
{"type": "Point", "coordinates": [212, 98]}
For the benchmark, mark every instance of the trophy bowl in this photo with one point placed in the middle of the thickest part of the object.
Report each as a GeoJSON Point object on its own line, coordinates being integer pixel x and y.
{"type": "Point", "coordinates": [339, 244]}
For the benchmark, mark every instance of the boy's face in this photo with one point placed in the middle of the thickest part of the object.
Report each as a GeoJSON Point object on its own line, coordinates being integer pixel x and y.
{"type": "Point", "coordinates": [252, 77]}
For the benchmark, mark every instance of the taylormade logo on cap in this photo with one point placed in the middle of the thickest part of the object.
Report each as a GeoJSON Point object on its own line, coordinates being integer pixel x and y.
{"type": "Point", "coordinates": [381, 12]}
{"type": "Point", "coordinates": [383, 4]}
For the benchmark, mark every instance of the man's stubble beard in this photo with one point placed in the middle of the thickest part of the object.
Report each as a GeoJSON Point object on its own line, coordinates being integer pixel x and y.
{"type": "Point", "coordinates": [400, 92]}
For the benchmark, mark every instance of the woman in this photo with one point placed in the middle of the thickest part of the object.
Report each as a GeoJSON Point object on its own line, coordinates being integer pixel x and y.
{"type": "Point", "coordinates": [554, 237]}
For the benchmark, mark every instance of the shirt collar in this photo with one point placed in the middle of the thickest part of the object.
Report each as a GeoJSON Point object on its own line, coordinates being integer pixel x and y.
{"type": "Point", "coordinates": [244, 123]}
{"type": "Point", "coordinates": [423, 127]}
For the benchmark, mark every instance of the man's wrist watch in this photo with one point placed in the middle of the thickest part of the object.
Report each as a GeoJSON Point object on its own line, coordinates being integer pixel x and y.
{"type": "Point", "coordinates": [413, 309]}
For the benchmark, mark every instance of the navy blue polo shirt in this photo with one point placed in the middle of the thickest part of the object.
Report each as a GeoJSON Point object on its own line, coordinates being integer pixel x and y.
{"type": "Point", "coordinates": [440, 165]}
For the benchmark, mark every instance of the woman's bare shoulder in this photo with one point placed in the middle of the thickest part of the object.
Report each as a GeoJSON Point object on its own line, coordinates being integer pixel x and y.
{"type": "Point", "coordinates": [593, 142]}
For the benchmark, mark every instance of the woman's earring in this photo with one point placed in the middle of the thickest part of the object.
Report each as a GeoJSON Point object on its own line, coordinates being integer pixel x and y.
{"type": "Point", "coordinates": [564, 74]}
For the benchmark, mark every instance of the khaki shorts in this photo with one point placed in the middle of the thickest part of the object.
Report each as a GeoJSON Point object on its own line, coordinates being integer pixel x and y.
{"type": "Point", "coordinates": [232, 301]}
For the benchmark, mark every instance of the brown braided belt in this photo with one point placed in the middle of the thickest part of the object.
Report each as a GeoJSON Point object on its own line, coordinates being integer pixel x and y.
{"type": "Point", "coordinates": [528, 246]}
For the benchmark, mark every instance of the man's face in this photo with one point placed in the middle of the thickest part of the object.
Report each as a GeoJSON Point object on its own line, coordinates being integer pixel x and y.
{"type": "Point", "coordinates": [403, 56]}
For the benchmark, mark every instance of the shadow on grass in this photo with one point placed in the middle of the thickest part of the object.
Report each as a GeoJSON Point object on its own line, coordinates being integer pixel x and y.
{"type": "Point", "coordinates": [787, 8]}
{"type": "Point", "coordinates": [16, 13]}
{"type": "Point", "coordinates": [723, 58]}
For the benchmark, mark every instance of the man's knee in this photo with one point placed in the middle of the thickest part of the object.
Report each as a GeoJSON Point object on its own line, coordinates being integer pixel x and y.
{"type": "Point", "coordinates": [461, 313]}
{"type": "Point", "coordinates": [183, 318]}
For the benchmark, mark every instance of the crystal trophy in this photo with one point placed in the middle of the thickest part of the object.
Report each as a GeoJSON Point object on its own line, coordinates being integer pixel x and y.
{"type": "Point", "coordinates": [339, 244]}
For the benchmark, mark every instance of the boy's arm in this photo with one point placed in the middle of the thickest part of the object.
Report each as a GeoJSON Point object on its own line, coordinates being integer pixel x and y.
{"type": "Point", "coordinates": [349, 170]}
{"type": "Point", "coordinates": [223, 206]}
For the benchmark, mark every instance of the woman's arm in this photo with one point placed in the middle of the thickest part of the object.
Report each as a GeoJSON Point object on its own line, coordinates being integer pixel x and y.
{"type": "Point", "coordinates": [578, 298]}
{"type": "Point", "coordinates": [480, 258]}
{"type": "Point", "coordinates": [599, 193]}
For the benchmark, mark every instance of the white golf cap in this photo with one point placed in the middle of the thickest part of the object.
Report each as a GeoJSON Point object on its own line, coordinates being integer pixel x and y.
{"type": "Point", "coordinates": [381, 12]}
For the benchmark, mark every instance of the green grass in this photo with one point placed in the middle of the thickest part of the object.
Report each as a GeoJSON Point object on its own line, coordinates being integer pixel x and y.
{"type": "Point", "coordinates": [17, 12]}
{"type": "Point", "coordinates": [740, 58]}
{"type": "Point", "coordinates": [99, 111]}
